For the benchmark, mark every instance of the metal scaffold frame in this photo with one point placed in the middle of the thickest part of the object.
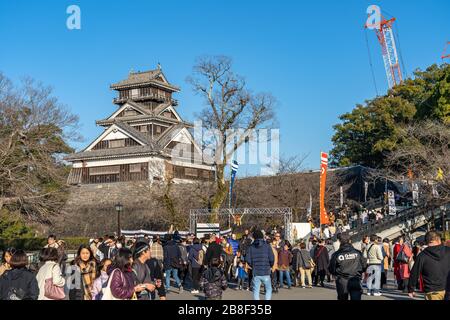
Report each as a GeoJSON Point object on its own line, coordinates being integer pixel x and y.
{"type": "Point", "coordinates": [286, 212]}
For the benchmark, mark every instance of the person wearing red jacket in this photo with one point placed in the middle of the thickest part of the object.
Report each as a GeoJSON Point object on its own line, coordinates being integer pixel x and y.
{"type": "Point", "coordinates": [401, 268]}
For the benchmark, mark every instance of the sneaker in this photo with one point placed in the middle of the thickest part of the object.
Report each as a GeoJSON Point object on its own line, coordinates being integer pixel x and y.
{"type": "Point", "coordinates": [303, 287]}
{"type": "Point", "coordinates": [377, 294]}
{"type": "Point", "coordinates": [368, 293]}
{"type": "Point", "coordinates": [181, 289]}
{"type": "Point", "coordinates": [194, 291]}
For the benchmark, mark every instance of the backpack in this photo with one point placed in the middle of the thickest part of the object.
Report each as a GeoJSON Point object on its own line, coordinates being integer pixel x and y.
{"type": "Point", "coordinates": [200, 258]}
{"type": "Point", "coordinates": [401, 256]}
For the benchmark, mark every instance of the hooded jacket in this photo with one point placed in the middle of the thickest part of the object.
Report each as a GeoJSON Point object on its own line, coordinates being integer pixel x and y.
{"type": "Point", "coordinates": [19, 284]}
{"type": "Point", "coordinates": [214, 251]}
{"type": "Point", "coordinates": [433, 264]}
{"type": "Point", "coordinates": [347, 262]}
{"type": "Point", "coordinates": [194, 255]}
{"type": "Point", "coordinates": [213, 282]}
{"type": "Point", "coordinates": [260, 257]}
{"type": "Point", "coordinates": [172, 255]}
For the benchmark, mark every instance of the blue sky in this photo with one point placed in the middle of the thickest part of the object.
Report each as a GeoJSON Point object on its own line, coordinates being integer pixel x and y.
{"type": "Point", "coordinates": [311, 55]}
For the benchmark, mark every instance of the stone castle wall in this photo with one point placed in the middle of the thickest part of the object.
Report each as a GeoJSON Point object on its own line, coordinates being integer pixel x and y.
{"type": "Point", "coordinates": [90, 209]}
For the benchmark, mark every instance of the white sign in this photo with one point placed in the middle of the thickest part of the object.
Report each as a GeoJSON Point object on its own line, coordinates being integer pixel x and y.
{"type": "Point", "coordinates": [300, 230]}
{"type": "Point", "coordinates": [391, 203]}
{"type": "Point", "coordinates": [203, 229]}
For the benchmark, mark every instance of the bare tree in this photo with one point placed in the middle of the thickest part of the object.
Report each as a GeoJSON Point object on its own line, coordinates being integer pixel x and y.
{"type": "Point", "coordinates": [422, 157]}
{"type": "Point", "coordinates": [34, 130]}
{"type": "Point", "coordinates": [292, 164]}
{"type": "Point", "coordinates": [230, 106]}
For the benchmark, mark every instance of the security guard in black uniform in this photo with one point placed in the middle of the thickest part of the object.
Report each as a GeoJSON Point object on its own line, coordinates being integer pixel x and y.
{"type": "Point", "coordinates": [347, 265]}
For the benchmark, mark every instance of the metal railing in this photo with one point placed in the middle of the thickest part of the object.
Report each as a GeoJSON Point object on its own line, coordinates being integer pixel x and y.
{"type": "Point", "coordinates": [387, 222]}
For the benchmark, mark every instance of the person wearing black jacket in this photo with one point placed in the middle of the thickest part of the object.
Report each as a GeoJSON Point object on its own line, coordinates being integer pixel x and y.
{"type": "Point", "coordinates": [321, 259]}
{"type": "Point", "coordinates": [108, 248]}
{"type": "Point", "coordinates": [156, 275]}
{"type": "Point", "coordinates": [433, 264]}
{"type": "Point", "coordinates": [172, 262]}
{"type": "Point", "coordinates": [214, 250]}
{"type": "Point", "coordinates": [347, 265]}
{"type": "Point", "coordinates": [18, 283]}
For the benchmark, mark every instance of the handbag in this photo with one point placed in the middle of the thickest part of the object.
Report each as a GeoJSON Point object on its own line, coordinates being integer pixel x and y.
{"type": "Point", "coordinates": [51, 291]}
{"type": "Point", "coordinates": [402, 257]}
{"type": "Point", "coordinates": [107, 293]}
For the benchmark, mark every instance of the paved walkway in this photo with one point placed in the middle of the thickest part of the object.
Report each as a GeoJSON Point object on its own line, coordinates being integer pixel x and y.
{"type": "Point", "coordinates": [295, 293]}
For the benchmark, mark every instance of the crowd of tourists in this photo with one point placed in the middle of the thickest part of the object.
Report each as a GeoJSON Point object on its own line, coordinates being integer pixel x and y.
{"type": "Point", "coordinates": [346, 218]}
{"type": "Point", "coordinates": [111, 268]}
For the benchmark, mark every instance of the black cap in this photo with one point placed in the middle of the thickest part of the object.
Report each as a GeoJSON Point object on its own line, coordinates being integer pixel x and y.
{"type": "Point", "coordinates": [140, 247]}
{"type": "Point", "coordinates": [257, 234]}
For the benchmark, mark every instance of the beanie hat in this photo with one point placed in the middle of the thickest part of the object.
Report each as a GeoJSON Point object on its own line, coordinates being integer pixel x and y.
{"type": "Point", "coordinates": [140, 247]}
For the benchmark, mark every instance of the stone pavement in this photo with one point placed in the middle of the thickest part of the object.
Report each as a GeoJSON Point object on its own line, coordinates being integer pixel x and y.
{"type": "Point", "coordinates": [295, 293]}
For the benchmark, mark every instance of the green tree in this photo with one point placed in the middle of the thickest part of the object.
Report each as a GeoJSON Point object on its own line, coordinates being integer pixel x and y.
{"type": "Point", "coordinates": [370, 131]}
{"type": "Point", "coordinates": [12, 226]}
{"type": "Point", "coordinates": [34, 132]}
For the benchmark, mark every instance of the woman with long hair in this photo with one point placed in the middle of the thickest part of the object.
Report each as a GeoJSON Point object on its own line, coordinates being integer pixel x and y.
{"type": "Point", "coordinates": [84, 269]}
{"type": "Point", "coordinates": [121, 281]}
{"type": "Point", "coordinates": [101, 278]}
{"type": "Point", "coordinates": [6, 257]}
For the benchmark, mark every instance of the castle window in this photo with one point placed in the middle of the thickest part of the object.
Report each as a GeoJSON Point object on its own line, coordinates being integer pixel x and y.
{"type": "Point", "coordinates": [95, 171]}
{"type": "Point", "coordinates": [135, 168]}
{"type": "Point", "coordinates": [190, 172]}
{"type": "Point", "coordinates": [117, 143]}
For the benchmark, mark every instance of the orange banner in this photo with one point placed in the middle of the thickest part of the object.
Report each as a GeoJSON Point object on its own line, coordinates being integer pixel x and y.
{"type": "Point", "coordinates": [323, 180]}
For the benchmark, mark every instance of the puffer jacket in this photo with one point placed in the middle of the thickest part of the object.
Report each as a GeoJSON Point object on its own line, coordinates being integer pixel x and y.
{"type": "Point", "coordinates": [122, 284]}
{"type": "Point", "coordinates": [18, 284]}
{"type": "Point", "coordinates": [260, 258]}
{"type": "Point", "coordinates": [213, 282]}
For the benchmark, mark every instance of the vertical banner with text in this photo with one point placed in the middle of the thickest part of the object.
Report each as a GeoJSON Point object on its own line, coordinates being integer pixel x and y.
{"type": "Point", "coordinates": [323, 180]}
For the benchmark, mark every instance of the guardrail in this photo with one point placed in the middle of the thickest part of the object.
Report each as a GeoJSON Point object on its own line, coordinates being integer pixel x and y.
{"type": "Point", "coordinates": [391, 221]}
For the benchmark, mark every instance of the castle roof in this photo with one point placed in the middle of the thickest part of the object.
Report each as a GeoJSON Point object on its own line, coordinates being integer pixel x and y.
{"type": "Point", "coordinates": [137, 79]}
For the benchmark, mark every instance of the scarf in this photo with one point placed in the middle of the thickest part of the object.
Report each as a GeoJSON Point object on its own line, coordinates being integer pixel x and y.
{"type": "Point", "coordinates": [88, 273]}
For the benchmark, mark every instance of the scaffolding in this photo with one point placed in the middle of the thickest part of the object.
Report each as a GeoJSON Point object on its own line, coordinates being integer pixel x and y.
{"type": "Point", "coordinates": [237, 213]}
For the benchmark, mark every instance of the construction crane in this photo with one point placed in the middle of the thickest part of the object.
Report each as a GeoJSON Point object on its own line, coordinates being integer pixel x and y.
{"type": "Point", "coordinates": [389, 51]}
{"type": "Point", "coordinates": [446, 55]}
